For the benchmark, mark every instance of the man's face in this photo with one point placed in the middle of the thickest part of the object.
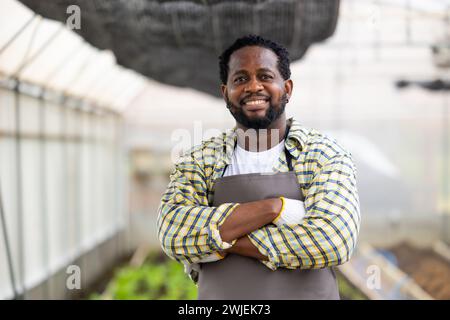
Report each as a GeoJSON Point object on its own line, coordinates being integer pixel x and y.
{"type": "Point", "coordinates": [255, 93]}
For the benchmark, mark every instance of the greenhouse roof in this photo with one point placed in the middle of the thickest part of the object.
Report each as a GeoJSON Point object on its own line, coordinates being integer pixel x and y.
{"type": "Point", "coordinates": [178, 42]}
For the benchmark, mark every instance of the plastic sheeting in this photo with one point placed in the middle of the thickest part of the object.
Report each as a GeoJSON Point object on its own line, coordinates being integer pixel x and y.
{"type": "Point", "coordinates": [62, 185]}
{"type": "Point", "coordinates": [47, 54]}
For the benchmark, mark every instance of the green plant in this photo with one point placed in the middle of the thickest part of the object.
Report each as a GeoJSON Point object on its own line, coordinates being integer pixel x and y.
{"type": "Point", "coordinates": [162, 279]}
{"type": "Point", "coordinates": [153, 280]}
{"type": "Point", "coordinates": [347, 291]}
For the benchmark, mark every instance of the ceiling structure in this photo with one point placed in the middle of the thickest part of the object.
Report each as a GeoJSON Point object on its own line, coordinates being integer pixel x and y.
{"type": "Point", "coordinates": [178, 42]}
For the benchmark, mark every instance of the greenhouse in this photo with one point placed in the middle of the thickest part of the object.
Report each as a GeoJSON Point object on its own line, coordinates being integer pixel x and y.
{"type": "Point", "coordinates": [100, 100]}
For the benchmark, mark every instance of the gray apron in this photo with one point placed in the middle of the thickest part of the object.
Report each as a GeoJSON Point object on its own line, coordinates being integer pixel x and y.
{"type": "Point", "coordinates": [238, 277]}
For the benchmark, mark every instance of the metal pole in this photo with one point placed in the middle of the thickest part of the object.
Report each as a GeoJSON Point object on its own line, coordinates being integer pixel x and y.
{"type": "Point", "coordinates": [93, 187]}
{"type": "Point", "coordinates": [117, 173]}
{"type": "Point", "coordinates": [77, 117]}
{"type": "Point", "coordinates": [28, 61]}
{"type": "Point", "coordinates": [18, 140]}
{"type": "Point", "coordinates": [43, 192]}
{"type": "Point", "coordinates": [18, 153]}
{"type": "Point", "coordinates": [101, 185]}
{"type": "Point", "coordinates": [377, 41]}
{"type": "Point", "coordinates": [17, 34]}
{"type": "Point", "coordinates": [8, 250]}
{"type": "Point", "coordinates": [81, 198]}
{"type": "Point", "coordinates": [445, 150]}
{"type": "Point", "coordinates": [445, 169]}
{"type": "Point", "coordinates": [64, 188]}
{"type": "Point", "coordinates": [408, 22]}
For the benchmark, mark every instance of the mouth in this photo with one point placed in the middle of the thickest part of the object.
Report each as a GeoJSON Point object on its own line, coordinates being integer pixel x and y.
{"type": "Point", "coordinates": [255, 104]}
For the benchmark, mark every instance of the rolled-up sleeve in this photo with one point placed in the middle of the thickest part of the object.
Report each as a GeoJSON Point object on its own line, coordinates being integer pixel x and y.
{"type": "Point", "coordinates": [328, 234]}
{"type": "Point", "coordinates": [188, 229]}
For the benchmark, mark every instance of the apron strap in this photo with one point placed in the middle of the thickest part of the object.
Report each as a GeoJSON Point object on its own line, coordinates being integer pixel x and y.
{"type": "Point", "coordinates": [288, 159]}
{"type": "Point", "coordinates": [286, 151]}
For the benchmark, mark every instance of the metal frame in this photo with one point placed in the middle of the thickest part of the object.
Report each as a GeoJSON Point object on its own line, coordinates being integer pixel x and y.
{"type": "Point", "coordinates": [16, 294]}
{"type": "Point", "coordinates": [18, 284]}
{"type": "Point", "coordinates": [17, 34]}
{"type": "Point", "coordinates": [19, 189]}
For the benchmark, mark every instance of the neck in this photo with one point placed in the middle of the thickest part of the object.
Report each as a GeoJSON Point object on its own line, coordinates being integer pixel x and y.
{"type": "Point", "coordinates": [257, 140]}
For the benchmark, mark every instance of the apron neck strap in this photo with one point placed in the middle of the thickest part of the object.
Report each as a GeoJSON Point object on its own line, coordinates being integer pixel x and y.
{"type": "Point", "coordinates": [286, 151]}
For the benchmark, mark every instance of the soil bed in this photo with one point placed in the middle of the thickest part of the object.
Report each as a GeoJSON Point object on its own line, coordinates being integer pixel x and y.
{"type": "Point", "coordinates": [429, 270]}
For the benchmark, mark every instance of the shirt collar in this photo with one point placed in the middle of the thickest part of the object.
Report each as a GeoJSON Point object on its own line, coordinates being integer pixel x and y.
{"type": "Point", "coordinates": [295, 141]}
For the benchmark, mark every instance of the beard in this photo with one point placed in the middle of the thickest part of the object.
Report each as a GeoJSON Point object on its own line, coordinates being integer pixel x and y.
{"type": "Point", "coordinates": [272, 114]}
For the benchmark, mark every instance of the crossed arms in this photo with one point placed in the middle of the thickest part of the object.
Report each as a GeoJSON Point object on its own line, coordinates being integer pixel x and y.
{"type": "Point", "coordinates": [189, 230]}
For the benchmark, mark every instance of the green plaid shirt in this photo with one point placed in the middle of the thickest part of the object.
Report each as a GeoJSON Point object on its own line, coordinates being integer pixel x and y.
{"type": "Point", "coordinates": [188, 225]}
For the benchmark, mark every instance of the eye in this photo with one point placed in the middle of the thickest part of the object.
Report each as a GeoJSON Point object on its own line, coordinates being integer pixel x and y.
{"type": "Point", "coordinates": [239, 79]}
{"type": "Point", "coordinates": [266, 77]}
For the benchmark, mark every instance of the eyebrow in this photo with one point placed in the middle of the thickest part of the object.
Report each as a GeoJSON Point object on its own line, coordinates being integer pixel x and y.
{"type": "Point", "coordinates": [245, 71]}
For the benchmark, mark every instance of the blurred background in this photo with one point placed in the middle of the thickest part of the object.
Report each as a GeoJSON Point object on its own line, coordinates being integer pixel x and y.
{"type": "Point", "coordinates": [94, 96]}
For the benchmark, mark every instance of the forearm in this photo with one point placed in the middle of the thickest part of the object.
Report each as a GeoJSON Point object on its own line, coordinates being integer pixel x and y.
{"type": "Point", "coordinates": [245, 247]}
{"type": "Point", "coordinates": [248, 217]}
{"type": "Point", "coordinates": [194, 238]}
{"type": "Point", "coordinates": [325, 238]}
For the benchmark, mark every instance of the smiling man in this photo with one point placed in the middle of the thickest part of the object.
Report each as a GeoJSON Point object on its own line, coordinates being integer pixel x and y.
{"type": "Point", "coordinates": [266, 210]}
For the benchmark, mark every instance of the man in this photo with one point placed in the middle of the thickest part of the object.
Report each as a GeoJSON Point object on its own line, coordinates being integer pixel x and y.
{"type": "Point", "coordinates": [267, 210]}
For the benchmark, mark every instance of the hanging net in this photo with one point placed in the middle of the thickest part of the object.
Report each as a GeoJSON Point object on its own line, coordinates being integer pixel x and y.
{"type": "Point", "coordinates": [178, 42]}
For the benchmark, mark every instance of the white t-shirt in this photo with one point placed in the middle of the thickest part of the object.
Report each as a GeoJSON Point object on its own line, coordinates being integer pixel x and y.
{"type": "Point", "coordinates": [243, 161]}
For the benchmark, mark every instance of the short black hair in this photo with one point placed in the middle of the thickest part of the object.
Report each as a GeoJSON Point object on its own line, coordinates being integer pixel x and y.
{"type": "Point", "coordinates": [254, 40]}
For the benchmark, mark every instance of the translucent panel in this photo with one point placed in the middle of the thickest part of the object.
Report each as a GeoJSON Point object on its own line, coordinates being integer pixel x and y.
{"type": "Point", "coordinates": [53, 120]}
{"type": "Point", "coordinates": [372, 22]}
{"type": "Point", "coordinates": [86, 183]}
{"type": "Point", "coordinates": [70, 71]}
{"type": "Point", "coordinates": [119, 82]}
{"type": "Point", "coordinates": [31, 182]}
{"type": "Point", "coordinates": [132, 90]}
{"type": "Point", "coordinates": [103, 85]}
{"type": "Point", "coordinates": [33, 222]}
{"type": "Point", "coordinates": [14, 16]}
{"type": "Point", "coordinates": [6, 290]}
{"type": "Point", "coordinates": [29, 115]}
{"type": "Point", "coordinates": [54, 59]}
{"type": "Point", "coordinates": [72, 189]}
{"type": "Point", "coordinates": [176, 108]}
{"type": "Point", "coordinates": [93, 71]}
{"type": "Point", "coordinates": [56, 205]}
{"type": "Point", "coordinates": [7, 114]}
{"type": "Point", "coordinates": [27, 45]}
{"type": "Point", "coordinates": [69, 198]}
{"type": "Point", "coordinates": [8, 190]}
{"type": "Point", "coordinates": [49, 55]}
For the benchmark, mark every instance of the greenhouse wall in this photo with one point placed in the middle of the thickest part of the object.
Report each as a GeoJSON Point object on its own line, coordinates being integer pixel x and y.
{"type": "Point", "coordinates": [63, 186]}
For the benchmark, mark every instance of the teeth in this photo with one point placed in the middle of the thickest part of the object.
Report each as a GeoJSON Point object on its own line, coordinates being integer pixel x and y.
{"type": "Point", "coordinates": [255, 102]}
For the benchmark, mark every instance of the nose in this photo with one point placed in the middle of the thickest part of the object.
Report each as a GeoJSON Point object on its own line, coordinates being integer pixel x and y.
{"type": "Point", "coordinates": [254, 85]}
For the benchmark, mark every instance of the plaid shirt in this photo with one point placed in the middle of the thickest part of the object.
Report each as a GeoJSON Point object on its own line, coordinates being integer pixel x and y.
{"type": "Point", "coordinates": [188, 225]}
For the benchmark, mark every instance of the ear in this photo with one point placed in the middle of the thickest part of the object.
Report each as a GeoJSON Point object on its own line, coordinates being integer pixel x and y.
{"type": "Point", "coordinates": [223, 88]}
{"type": "Point", "coordinates": [288, 86]}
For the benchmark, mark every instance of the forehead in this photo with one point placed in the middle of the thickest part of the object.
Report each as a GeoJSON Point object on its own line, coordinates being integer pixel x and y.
{"type": "Point", "coordinates": [253, 58]}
